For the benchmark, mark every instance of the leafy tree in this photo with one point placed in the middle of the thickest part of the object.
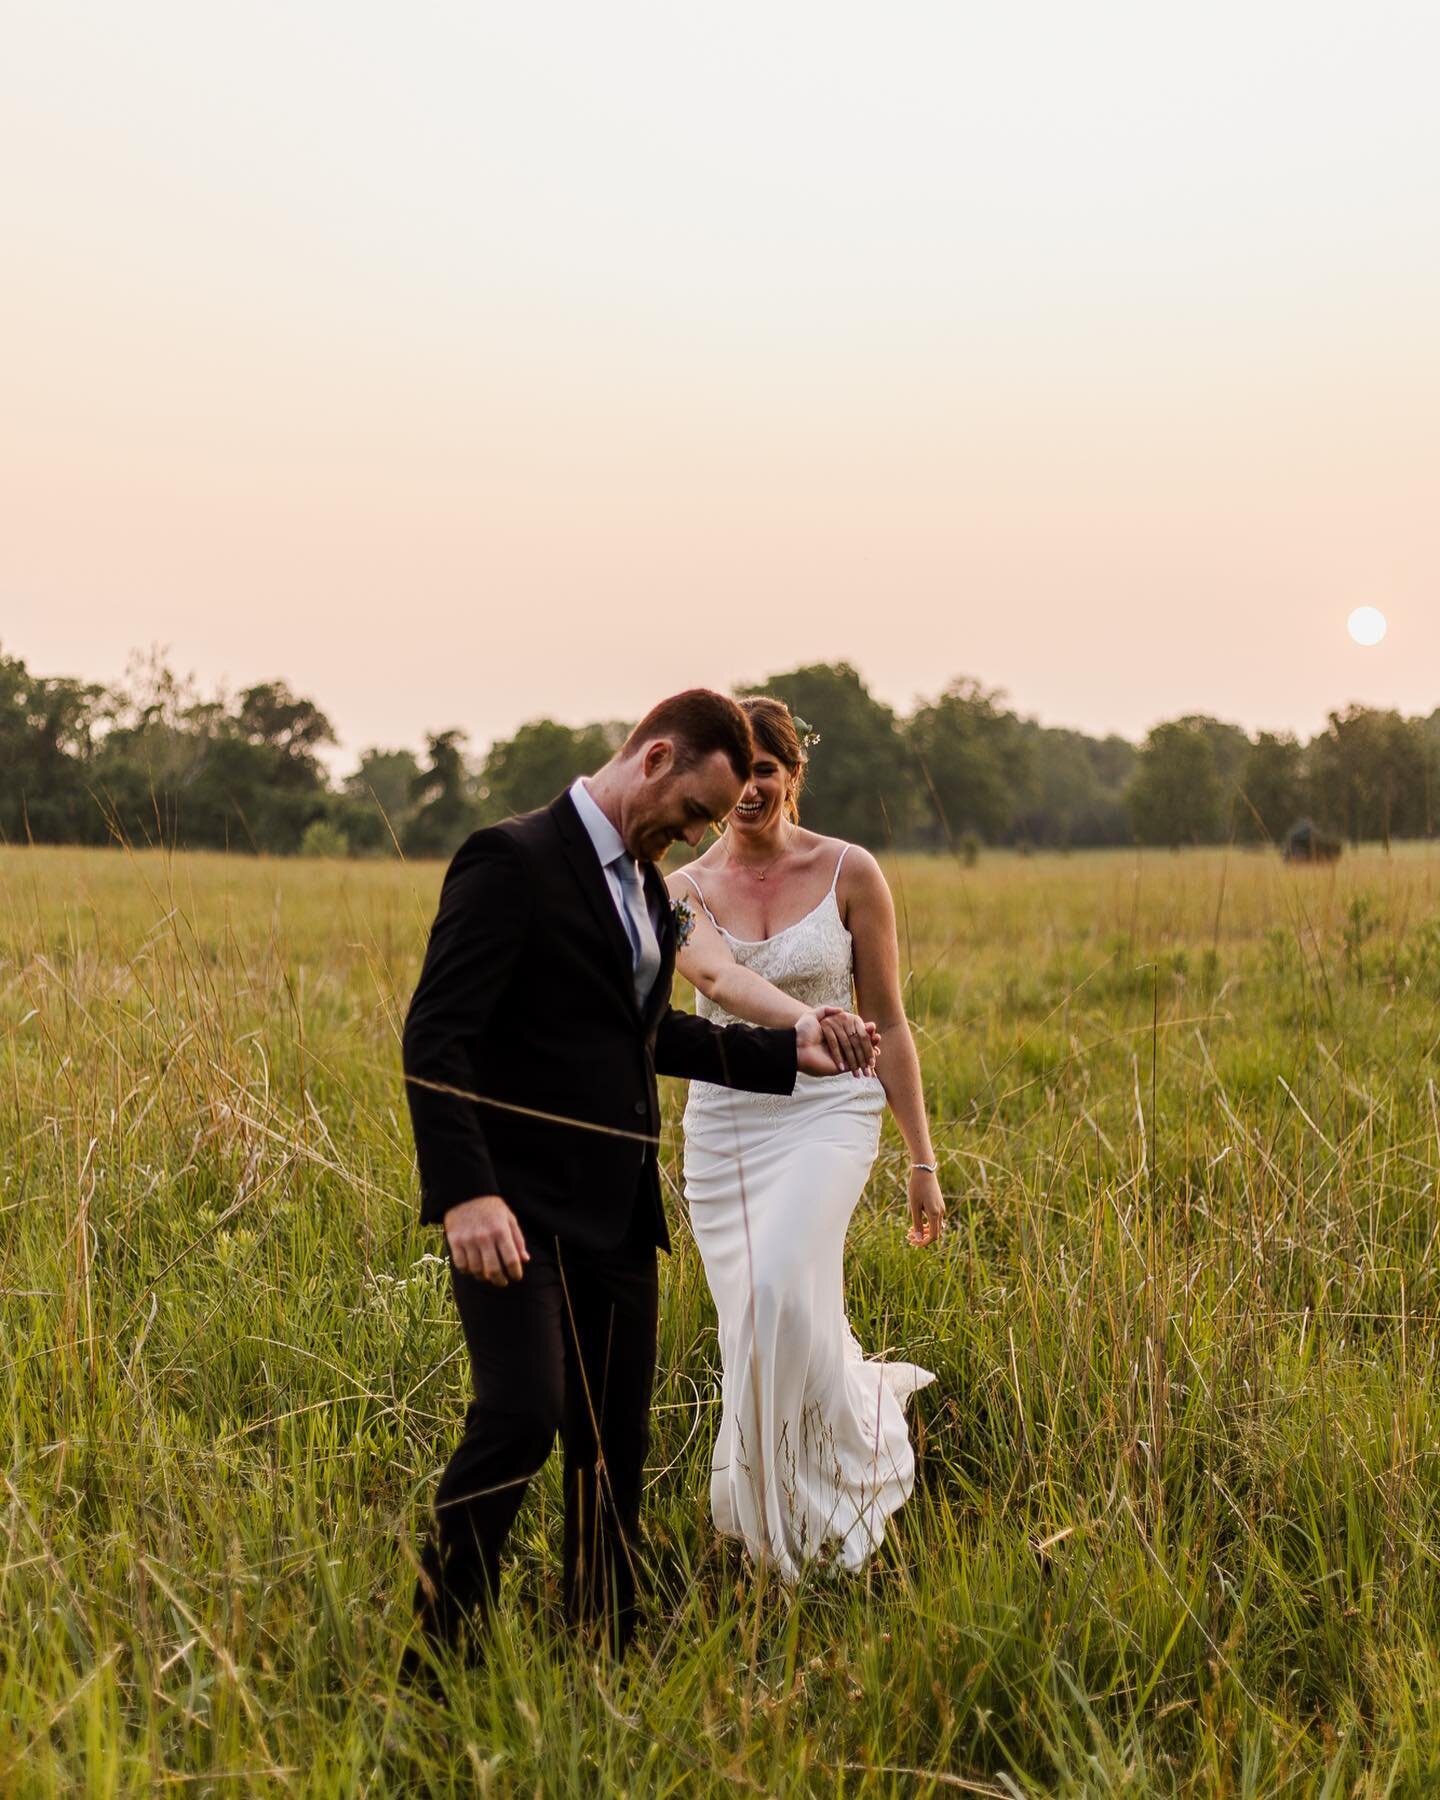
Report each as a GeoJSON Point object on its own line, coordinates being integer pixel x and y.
{"type": "Point", "coordinates": [1272, 786]}
{"type": "Point", "coordinates": [446, 809]}
{"type": "Point", "coordinates": [386, 777]}
{"type": "Point", "coordinates": [1372, 773]}
{"type": "Point", "coordinates": [377, 798]}
{"type": "Point", "coordinates": [1113, 760]}
{"type": "Point", "coordinates": [249, 796]}
{"type": "Point", "coordinates": [975, 761]}
{"type": "Point", "coordinates": [153, 736]}
{"type": "Point", "coordinates": [1177, 796]}
{"type": "Point", "coordinates": [292, 727]}
{"type": "Point", "coordinates": [1063, 785]}
{"type": "Point", "coordinates": [360, 823]}
{"type": "Point", "coordinates": [1229, 744]}
{"type": "Point", "coordinates": [541, 760]}
{"type": "Point", "coordinates": [323, 837]}
{"type": "Point", "coordinates": [1230, 749]}
{"type": "Point", "coordinates": [1069, 802]}
{"type": "Point", "coordinates": [1077, 788]}
{"type": "Point", "coordinates": [156, 761]}
{"type": "Point", "coordinates": [860, 783]}
{"type": "Point", "coordinates": [46, 726]}
{"type": "Point", "coordinates": [176, 768]}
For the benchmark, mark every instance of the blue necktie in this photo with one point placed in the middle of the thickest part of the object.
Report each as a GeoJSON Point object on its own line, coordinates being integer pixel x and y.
{"type": "Point", "coordinates": [644, 945]}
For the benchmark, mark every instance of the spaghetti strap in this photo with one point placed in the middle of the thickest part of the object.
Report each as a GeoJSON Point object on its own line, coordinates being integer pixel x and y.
{"type": "Point", "coordinates": [834, 883]}
{"type": "Point", "coordinates": [699, 896]}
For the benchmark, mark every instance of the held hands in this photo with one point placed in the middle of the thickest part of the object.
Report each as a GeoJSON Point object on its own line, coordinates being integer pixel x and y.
{"type": "Point", "coordinates": [830, 1040]}
{"type": "Point", "coordinates": [486, 1241]}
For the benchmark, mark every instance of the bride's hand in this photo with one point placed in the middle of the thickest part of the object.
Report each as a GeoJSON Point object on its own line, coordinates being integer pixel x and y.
{"type": "Point", "coordinates": [853, 1043]}
{"type": "Point", "coordinates": [822, 1052]}
{"type": "Point", "coordinates": [927, 1208]}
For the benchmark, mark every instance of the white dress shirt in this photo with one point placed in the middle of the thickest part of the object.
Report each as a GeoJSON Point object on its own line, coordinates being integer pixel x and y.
{"type": "Point", "coordinates": [610, 848]}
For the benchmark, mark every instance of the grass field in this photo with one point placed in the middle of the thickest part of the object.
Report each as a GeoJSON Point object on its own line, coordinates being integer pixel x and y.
{"type": "Point", "coordinates": [1176, 1522]}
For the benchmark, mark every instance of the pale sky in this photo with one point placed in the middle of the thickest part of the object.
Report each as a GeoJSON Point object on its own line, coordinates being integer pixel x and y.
{"type": "Point", "coordinates": [462, 363]}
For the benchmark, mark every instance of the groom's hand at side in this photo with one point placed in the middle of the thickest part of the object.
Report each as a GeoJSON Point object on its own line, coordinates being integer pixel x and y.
{"type": "Point", "coordinates": [486, 1241]}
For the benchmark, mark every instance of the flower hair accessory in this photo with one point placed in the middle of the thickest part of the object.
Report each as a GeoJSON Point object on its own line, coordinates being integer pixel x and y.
{"type": "Point", "coordinates": [684, 922]}
{"type": "Point", "coordinates": [806, 732]}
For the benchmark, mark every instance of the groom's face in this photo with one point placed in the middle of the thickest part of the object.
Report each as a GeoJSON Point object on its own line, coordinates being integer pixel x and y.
{"type": "Point", "coordinates": [668, 803]}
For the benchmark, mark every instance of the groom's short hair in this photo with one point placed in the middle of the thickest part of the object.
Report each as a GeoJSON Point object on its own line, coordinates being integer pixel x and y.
{"type": "Point", "coordinates": [698, 723]}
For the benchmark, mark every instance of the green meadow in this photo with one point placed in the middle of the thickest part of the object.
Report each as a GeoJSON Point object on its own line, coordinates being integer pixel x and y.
{"type": "Point", "coordinates": [1175, 1525]}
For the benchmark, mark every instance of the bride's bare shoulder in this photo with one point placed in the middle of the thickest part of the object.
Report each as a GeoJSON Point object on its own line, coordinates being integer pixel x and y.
{"type": "Point", "coordinates": [859, 875]}
{"type": "Point", "coordinates": [837, 850]}
{"type": "Point", "coordinates": [816, 847]}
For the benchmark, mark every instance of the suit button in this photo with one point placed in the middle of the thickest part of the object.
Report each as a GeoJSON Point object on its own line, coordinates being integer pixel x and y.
{"type": "Point", "coordinates": [640, 1109]}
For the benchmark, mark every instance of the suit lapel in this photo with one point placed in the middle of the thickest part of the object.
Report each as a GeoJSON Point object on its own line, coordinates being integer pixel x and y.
{"type": "Point", "coordinates": [590, 878]}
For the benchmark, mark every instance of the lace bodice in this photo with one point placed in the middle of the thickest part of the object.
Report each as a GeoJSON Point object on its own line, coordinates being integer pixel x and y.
{"type": "Point", "coordinates": [811, 960]}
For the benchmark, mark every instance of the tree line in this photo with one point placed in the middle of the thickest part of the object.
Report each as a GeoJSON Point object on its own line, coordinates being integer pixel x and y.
{"type": "Point", "coordinates": [154, 761]}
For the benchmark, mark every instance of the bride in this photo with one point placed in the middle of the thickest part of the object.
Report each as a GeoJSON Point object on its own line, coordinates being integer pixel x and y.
{"type": "Point", "coordinates": [812, 1453]}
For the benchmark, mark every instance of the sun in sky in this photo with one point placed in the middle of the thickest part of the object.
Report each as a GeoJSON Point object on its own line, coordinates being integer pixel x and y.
{"type": "Point", "coordinates": [1367, 625]}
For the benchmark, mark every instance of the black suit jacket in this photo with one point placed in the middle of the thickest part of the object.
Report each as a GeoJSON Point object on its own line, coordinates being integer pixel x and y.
{"type": "Point", "coordinates": [526, 1008]}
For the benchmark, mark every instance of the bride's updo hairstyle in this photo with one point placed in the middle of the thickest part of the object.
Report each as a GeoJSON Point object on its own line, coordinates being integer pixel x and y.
{"type": "Point", "coordinates": [774, 731]}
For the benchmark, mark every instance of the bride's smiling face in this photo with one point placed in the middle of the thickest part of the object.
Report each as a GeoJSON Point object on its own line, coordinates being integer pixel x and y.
{"type": "Point", "coordinates": [762, 805]}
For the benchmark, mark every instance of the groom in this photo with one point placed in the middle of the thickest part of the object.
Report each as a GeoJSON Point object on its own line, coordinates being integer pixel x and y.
{"type": "Point", "coordinates": [531, 1048]}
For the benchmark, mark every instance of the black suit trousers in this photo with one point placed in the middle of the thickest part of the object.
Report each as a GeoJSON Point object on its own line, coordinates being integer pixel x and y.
{"type": "Point", "coordinates": [570, 1348]}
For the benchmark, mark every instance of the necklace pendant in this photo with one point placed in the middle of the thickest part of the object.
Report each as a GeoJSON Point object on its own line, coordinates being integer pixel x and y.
{"type": "Point", "coordinates": [760, 876]}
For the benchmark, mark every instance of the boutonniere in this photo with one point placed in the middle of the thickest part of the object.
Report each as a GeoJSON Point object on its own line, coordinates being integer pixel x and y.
{"type": "Point", "coordinates": [683, 920]}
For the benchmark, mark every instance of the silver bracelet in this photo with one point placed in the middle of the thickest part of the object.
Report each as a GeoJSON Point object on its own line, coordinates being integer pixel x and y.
{"type": "Point", "coordinates": [929, 1168]}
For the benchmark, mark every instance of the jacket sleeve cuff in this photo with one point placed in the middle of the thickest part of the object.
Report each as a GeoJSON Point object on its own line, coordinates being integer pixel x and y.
{"type": "Point", "coordinates": [437, 1197]}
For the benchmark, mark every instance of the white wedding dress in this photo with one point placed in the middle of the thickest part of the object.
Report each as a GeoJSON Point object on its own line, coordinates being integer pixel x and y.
{"type": "Point", "coordinates": [812, 1454]}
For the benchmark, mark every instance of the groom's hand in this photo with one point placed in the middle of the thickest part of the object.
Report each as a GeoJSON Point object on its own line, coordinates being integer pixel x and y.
{"type": "Point", "coordinates": [831, 1040]}
{"type": "Point", "coordinates": [486, 1241]}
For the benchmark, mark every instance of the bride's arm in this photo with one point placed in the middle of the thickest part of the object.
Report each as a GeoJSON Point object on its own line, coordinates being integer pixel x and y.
{"type": "Point", "coordinates": [870, 917]}
{"type": "Point", "coordinates": [709, 965]}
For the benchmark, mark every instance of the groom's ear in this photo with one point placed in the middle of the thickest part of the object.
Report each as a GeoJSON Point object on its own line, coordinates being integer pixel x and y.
{"type": "Point", "coordinates": [657, 756]}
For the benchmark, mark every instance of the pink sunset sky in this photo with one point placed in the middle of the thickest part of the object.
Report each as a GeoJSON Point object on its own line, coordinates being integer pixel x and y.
{"type": "Point", "coordinates": [462, 363]}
